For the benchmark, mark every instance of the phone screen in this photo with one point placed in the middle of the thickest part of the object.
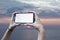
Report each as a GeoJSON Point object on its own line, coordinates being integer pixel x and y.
{"type": "Point", "coordinates": [24, 18]}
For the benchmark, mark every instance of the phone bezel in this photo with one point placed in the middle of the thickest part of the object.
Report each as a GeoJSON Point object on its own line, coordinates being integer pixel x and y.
{"type": "Point", "coordinates": [14, 15]}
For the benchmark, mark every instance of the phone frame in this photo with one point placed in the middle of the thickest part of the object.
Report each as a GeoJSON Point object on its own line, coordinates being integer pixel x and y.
{"type": "Point", "coordinates": [14, 15]}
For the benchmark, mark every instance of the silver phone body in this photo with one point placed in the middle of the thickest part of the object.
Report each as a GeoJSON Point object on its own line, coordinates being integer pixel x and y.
{"type": "Point", "coordinates": [24, 18]}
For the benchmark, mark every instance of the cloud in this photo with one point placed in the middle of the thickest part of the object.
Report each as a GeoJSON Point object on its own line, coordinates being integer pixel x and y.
{"type": "Point", "coordinates": [57, 0]}
{"type": "Point", "coordinates": [45, 21]}
{"type": "Point", "coordinates": [50, 21]}
{"type": "Point", "coordinates": [37, 3]}
{"type": "Point", "coordinates": [5, 20]}
{"type": "Point", "coordinates": [41, 4]}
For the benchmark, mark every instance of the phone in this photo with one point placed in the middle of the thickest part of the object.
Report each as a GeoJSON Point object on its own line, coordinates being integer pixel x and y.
{"type": "Point", "coordinates": [24, 18]}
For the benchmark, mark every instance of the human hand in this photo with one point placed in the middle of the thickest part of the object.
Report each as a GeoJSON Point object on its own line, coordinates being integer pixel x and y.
{"type": "Point", "coordinates": [12, 24]}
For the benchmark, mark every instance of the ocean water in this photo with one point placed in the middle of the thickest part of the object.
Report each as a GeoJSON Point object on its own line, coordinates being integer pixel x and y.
{"type": "Point", "coordinates": [22, 33]}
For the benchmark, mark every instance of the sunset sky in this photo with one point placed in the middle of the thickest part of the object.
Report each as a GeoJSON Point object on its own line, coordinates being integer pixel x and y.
{"type": "Point", "coordinates": [48, 12]}
{"type": "Point", "coordinates": [49, 9]}
{"type": "Point", "coordinates": [45, 21]}
{"type": "Point", "coordinates": [43, 3]}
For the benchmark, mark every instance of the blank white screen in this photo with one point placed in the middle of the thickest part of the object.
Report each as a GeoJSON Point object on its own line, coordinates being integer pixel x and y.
{"type": "Point", "coordinates": [24, 18]}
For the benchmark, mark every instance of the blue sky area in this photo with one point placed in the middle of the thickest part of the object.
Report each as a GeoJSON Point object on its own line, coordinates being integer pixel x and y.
{"type": "Point", "coordinates": [47, 3]}
{"type": "Point", "coordinates": [47, 8]}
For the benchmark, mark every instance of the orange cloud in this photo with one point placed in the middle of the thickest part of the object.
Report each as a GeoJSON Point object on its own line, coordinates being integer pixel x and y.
{"type": "Point", "coordinates": [5, 20]}
{"type": "Point", "coordinates": [45, 21]}
{"type": "Point", "coordinates": [50, 21]}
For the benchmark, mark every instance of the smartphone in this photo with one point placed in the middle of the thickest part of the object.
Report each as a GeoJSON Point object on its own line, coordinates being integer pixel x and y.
{"type": "Point", "coordinates": [24, 18]}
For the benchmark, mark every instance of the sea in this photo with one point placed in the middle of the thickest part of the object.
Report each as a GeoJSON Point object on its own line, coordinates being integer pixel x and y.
{"type": "Point", "coordinates": [52, 32]}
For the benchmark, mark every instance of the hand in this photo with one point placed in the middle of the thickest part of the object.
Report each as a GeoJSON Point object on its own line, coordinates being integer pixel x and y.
{"type": "Point", "coordinates": [29, 26]}
{"type": "Point", "coordinates": [33, 25]}
{"type": "Point", "coordinates": [10, 29]}
{"type": "Point", "coordinates": [12, 24]}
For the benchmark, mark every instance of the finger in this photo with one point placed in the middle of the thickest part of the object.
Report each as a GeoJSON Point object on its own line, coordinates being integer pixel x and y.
{"type": "Point", "coordinates": [16, 24]}
{"type": "Point", "coordinates": [12, 18]}
{"type": "Point", "coordinates": [11, 22]}
{"type": "Point", "coordinates": [29, 26]}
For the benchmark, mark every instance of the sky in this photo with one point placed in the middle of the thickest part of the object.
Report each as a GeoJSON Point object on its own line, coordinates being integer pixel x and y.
{"type": "Point", "coordinates": [44, 21]}
{"type": "Point", "coordinates": [52, 5]}
{"type": "Point", "coordinates": [43, 3]}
